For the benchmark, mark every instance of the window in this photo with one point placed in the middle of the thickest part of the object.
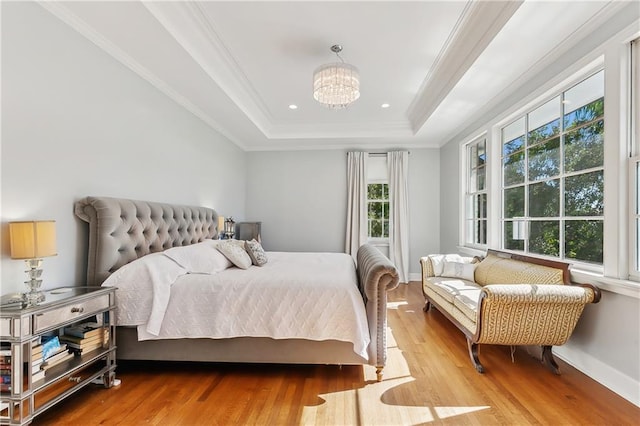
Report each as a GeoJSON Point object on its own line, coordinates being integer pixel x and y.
{"type": "Point", "coordinates": [476, 194]}
{"type": "Point", "coordinates": [377, 197]}
{"type": "Point", "coordinates": [553, 176]}
{"type": "Point", "coordinates": [378, 210]}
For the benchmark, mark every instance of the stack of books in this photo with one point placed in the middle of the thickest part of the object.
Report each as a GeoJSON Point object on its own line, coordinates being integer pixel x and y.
{"type": "Point", "coordinates": [37, 373]}
{"type": "Point", "coordinates": [85, 337]}
{"type": "Point", "coordinates": [5, 368]}
{"type": "Point", "coordinates": [54, 352]}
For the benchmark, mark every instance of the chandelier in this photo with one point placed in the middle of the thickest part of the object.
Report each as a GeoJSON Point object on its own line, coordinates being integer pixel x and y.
{"type": "Point", "coordinates": [336, 85]}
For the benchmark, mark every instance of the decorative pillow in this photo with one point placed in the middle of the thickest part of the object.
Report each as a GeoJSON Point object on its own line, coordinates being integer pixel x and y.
{"type": "Point", "coordinates": [437, 261]}
{"type": "Point", "coordinates": [256, 252]}
{"type": "Point", "coordinates": [200, 258]}
{"type": "Point", "coordinates": [461, 270]}
{"type": "Point", "coordinates": [235, 253]}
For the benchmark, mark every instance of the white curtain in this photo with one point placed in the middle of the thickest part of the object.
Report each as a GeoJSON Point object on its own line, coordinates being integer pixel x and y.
{"type": "Point", "coordinates": [357, 201]}
{"type": "Point", "coordinates": [398, 165]}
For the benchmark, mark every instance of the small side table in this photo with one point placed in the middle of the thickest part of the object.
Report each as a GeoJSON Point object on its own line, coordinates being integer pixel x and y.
{"type": "Point", "coordinates": [21, 328]}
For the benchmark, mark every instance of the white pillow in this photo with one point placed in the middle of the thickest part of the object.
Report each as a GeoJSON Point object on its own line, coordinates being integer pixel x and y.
{"type": "Point", "coordinates": [461, 270]}
{"type": "Point", "coordinates": [235, 253]}
{"type": "Point", "coordinates": [200, 258]}
{"type": "Point", "coordinates": [437, 261]}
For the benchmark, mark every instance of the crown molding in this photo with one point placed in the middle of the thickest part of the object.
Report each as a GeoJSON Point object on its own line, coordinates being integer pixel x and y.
{"type": "Point", "coordinates": [335, 131]}
{"type": "Point", "coordinates": [477, 26]}
{"type": "Point", "coordinates": [87, 31]}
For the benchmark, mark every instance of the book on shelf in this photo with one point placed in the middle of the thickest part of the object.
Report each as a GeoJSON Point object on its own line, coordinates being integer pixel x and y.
{"type": "Point", "coordinates": [35, 365]}
{"type": "Point", "coordinates": [5, 371]}
{"type": "Point", "coordinates": [84, 330]}
{"type": "Point", "coordinates": [85, 347]}
{"type": "Point", "coordinates": [50, 345]}
{"type": "Point", "coordinates": [57, 359]}
{"type": "Point", "coordinates": [5, 387]}
{"type": "Point", "coordinates": [36, 349]}
{"type": "Point", "coordinates": [5, 378]}
{"type": "Point", "coordinates": [38, 375]}
{"type": "Point", "coordinates": [101, 336]}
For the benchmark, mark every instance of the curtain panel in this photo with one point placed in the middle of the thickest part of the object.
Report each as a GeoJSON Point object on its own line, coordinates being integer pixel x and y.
{"type": "Point", "coordinates": [398, 168]}
{"type": "Point", "coordinates": [356, 202]}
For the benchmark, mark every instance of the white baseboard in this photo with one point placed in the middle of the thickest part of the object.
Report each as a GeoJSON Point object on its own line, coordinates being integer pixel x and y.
{"type": "Point", "coordinates": [623, 385]}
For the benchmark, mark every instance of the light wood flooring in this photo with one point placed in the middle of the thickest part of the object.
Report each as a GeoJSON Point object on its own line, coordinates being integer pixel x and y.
{"type": "Point", "coordinates": [428, 380]}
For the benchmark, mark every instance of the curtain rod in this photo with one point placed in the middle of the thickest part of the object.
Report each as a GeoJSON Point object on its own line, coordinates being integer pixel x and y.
{"type": "Point", "coordinates": [383, 153]}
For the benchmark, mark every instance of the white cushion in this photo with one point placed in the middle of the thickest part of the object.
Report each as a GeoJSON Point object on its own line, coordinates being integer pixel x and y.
{"type": "Point", "coordinates": [256, 252]}
{"type": "Point", "coordinates": [460, 270]}
{"type": "Point", "coordinates": [235, 253]}
{"type": "Point", "coordinates": [200, 258]}
{"type": "Point", "coordinates": [437, 261]}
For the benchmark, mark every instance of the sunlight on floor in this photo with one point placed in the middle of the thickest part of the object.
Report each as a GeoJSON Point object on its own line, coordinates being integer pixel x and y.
{"type": "Point", "coordinates": [366, 406]}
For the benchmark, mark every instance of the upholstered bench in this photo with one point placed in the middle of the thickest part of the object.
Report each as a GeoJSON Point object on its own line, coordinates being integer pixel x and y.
{"type": "Point", "coordinates": [506, 299]}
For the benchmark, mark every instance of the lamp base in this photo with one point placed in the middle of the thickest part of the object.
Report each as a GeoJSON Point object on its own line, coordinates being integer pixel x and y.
{"type": "Point", "coordinates": [32, 298]}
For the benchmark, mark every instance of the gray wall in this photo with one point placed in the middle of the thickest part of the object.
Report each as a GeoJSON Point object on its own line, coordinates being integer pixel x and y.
{"type": "Point", "coordinates": [75, 122]}
{"type": "Point", "coordinates": [301, 199]}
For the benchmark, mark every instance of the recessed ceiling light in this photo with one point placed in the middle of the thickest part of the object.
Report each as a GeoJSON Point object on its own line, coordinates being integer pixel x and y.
{"type": "Point", "coordinates": [292, 106]}
{"type": "Point", "coordinates": [385, 105]}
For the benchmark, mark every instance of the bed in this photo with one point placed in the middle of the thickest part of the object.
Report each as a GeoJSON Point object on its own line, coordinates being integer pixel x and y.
{"type": "Point", "coordinates": [124, 234]}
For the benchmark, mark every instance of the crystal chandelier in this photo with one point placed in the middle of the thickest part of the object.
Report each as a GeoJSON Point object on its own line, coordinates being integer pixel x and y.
{"type": "Point", "coordinates": [336, 85]}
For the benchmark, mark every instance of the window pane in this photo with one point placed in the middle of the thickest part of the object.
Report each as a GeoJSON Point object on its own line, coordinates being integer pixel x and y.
{"type": "Point", "coordinates": [544, 160]}
{"type": "Point", "coordinates": [584, 114]}
{"type": "Point", "coordinates": [544, 237]}
{"type": "Point", "coordinates": [512, 146]}
{"type": "Point", "coordinates": [481, 206]}
{"type": "Point", "coordinates": [584, 194]}
{"type": "Point", "coordinates": [514, 202]}
{"type": "Point", "coordinates": [481, 232]}
{"type": "Point", "coordinates": [544, 121]}
{"type": "Point", "coordinates": [385, 210]}
{"type": "Point", "coordinates": [509, 242]}
{"type": "Point", "coordinates": [374, 191]}
{"type": "Point", "coordinates": [482, 155]}
{"type": "Point", "coordinates": [544, 199]}
{"type": "Point", "coordinates": [583, 240]}
{"type": "Point", "coordinates": [375, 210]}
{"type": "Point", "coordinates": [481, 178]}
{"type": "Point", "coordinates": [469, 234]}
{"type": "Point", "coordinates": [584, 93]}
{"type": "Point", "coordinates": [375, 228]}
{"type": "Point", "coordinates": [385, 191]}
{"type": "Point", "coordinates": [584, 148]}
{"type": "Point", "coordinates": [514, 131]}
{"type": "Point", "coordinates": [385, 230]}
{"type": "Point", "coordinates": [513, 169]}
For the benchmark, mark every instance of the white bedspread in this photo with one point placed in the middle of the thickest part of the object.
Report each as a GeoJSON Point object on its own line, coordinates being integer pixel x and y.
{"type": "Point", "coordinates": [294, 295]}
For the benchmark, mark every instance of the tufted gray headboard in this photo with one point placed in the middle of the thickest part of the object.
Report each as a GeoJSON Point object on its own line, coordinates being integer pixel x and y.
{"type": "Point", "coordinates": [123, 230]}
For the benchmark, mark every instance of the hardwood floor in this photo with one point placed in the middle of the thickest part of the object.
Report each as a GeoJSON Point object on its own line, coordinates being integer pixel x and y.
{"type": "Point", "coordinates": [428, 380]}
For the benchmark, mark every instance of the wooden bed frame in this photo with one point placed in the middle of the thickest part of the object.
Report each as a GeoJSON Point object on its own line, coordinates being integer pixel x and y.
{"type": "Point", "coordinates": [121, 231]}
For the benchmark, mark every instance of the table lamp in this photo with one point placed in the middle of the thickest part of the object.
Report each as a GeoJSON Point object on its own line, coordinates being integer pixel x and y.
{"type": "Point", "coordinates": [31, 241]}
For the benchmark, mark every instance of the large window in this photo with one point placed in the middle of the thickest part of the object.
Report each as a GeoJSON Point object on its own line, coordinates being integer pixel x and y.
{"type": "Point", "coordinates": [553, 176]}
{"type": "Point", "coordinates": [476, 194]}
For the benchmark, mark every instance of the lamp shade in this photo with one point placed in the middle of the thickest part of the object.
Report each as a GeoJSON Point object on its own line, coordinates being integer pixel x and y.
{"type": "Point", "coordinates": [220, 224]}
{"type": "Point", "coordinates": [33, 239]}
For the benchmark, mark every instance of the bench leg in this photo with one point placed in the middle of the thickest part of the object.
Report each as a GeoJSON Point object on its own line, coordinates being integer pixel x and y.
{"type": "Point", "coordinates": [547, 359]}
{"type": "Point", "coordinates": [427, 306]}
{"type": "Point", "coordinates": [473, 354]}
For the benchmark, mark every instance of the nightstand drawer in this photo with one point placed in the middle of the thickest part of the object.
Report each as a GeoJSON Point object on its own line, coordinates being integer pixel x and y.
{"type": "Point", "coordinates": [69, 312]}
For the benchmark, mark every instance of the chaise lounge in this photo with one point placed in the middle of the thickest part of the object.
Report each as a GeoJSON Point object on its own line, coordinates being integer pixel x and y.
{"type": "Point", "coordinates": [506, 299]}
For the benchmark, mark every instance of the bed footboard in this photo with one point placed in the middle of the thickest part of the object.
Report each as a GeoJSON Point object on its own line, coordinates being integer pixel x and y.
{"type": "Point", "coordinates": [376, 276]}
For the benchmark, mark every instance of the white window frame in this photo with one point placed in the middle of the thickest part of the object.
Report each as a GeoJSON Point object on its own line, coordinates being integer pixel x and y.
{"type": "Point", "coordinates": [526, 221]}
{"type": "Point", "coordinates": [376, 178]}
{"type": "Point", "coordinates": [469, 212]}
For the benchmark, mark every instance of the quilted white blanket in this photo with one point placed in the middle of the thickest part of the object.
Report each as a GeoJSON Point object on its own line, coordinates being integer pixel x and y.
{"type": "Point", "coordinates": [310, 296]}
